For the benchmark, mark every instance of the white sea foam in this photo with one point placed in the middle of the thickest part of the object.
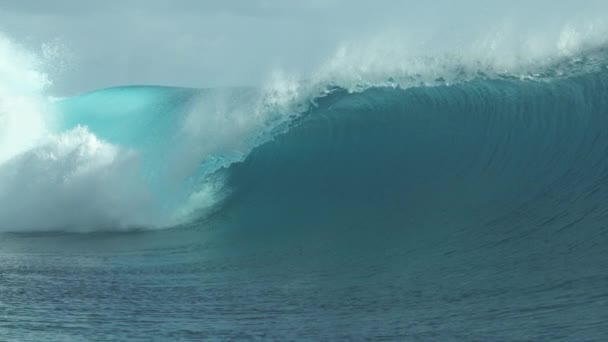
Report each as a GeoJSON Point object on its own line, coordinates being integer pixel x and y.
{"type": "Point", "coordinates": [397, 58]}
{"type": "Point", "coordinates": [73, 181]}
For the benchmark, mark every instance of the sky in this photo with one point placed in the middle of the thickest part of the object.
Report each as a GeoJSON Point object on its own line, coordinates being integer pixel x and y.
{"type": "Point", "coordinates": [187, 43]}
{"type": "Point", "coordinates": [198, 43]}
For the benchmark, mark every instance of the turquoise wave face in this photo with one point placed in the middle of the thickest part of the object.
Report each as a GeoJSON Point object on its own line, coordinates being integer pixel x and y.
{"type": "Point", "coordinates": [146, 121]}
{"type": "Point", "coordinates": [136, 117]}
{"type": "Point", "coordinates": [179, 137]}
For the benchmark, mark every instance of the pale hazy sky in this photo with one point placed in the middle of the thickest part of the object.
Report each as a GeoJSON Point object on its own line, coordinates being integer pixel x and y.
{"type": "Point", "coordinates": [229, 42]}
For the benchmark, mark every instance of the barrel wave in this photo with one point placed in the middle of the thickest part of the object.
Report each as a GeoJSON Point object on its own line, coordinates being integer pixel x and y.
{"type": "Point", "coordinates": [473, 209]}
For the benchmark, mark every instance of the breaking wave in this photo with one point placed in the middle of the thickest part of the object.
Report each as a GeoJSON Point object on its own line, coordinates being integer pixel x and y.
{"type": "Point", "coordinates": [405, 135]}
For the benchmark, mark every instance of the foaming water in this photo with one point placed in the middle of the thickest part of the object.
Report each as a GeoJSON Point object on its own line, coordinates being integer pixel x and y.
{"type": "Point", "coordinates": [73, 181]}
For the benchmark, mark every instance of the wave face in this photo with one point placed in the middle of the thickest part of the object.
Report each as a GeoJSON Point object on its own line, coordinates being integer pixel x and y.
{"type": "Point", "coordinates": [459, 155]}
{"type": "Point", "coordinates": [323, 211]}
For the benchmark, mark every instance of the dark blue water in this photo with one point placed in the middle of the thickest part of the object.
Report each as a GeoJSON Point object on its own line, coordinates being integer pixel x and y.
{"type": "Point", "coordinates": [475, 211]}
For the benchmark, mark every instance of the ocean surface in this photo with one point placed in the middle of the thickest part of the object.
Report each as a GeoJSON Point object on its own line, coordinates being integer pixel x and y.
{"type": "Point", "coordinates": [468, 206]}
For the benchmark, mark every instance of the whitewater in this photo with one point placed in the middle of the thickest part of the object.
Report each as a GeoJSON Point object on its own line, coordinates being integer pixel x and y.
{"type": "Point", "coordinates": [397, 193]}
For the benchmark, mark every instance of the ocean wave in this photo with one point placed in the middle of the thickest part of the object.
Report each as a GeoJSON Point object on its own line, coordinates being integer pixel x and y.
{"type": "Point", "coordinates": [153, 157]}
